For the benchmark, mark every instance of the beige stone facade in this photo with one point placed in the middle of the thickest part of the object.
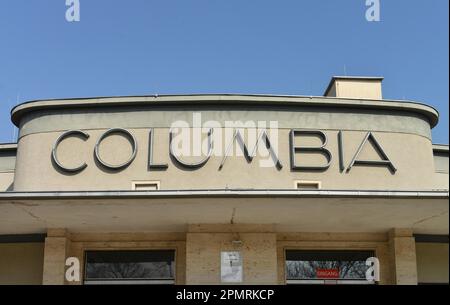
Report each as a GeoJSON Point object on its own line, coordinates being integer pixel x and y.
{"type": "Point", "coordinates": [197, 253]}
{"type": "Point", "coordinates": [370, 179]}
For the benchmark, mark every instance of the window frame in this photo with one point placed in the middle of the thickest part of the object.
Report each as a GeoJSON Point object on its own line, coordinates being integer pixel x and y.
{"type": "Point", "coordinates": [156, 281]}
{"type": "Point", "coordinates": [324, 281]}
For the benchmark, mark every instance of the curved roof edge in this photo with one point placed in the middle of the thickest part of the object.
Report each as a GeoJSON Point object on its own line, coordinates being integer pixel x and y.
{"type": "Point", "coordinates": [8, 146]}
{"type": "Point", "coordinates": [441, 148]}
{"type": "Point", "coordinates": [198, 99]}
{"type": "Point", "coordinates": [437, 194]}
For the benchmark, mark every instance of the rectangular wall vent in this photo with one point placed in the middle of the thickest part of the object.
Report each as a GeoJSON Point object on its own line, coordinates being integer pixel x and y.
{"type": "Point", "coordinates": [145, 185]}
{"type": "Point", "coordinates": [308, 185]}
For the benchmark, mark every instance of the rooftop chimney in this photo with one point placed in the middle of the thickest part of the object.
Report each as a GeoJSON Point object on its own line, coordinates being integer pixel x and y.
{"type": "Point", "coordinates": [358, 87]}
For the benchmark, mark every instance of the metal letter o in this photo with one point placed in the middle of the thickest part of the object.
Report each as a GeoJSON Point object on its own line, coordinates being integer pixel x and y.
{"type": "Point", "coordinates": [129, 136]}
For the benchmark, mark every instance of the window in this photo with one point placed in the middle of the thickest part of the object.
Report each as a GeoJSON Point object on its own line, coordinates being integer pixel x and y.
{"type": "Point", "coordinates": [440, 161]}
{"type": "Point", "coordinates": [308, 185]}
{"type": "Point", "coordinates": [130, 267]}
{"type": "Point", "coordinates": [327, 267]}
{"type": "Point", "coordinates": [145, 185]}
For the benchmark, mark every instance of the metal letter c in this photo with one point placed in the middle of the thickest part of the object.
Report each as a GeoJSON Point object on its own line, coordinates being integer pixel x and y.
{"type": "Point", "coordinates": [67, 134]}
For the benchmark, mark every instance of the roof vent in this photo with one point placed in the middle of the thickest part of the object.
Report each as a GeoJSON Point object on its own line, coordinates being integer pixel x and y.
{"type": "Point", "coordinates": [357, 87]}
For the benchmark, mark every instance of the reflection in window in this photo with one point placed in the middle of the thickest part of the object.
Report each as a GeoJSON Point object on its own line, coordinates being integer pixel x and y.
{"type": "Point", "coordinates": [130, 267]}
{"type": "Point", "coordinates": [321, 267]}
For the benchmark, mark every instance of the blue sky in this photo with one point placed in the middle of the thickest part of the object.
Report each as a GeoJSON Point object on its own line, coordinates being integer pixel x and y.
{"type": "Point", "coordinates": [138, 47]}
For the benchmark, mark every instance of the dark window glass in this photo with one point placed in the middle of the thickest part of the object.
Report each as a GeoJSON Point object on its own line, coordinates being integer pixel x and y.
{"type": "Point", "coordinates": [130, 266]}
{"type": "Point", "coordinates": [326, 265]}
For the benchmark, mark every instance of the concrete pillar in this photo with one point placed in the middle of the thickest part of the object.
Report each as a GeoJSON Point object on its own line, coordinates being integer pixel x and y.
{"type": "Point", "coordinates": [403, 252]}
{"type": "Point", "coordinates": [56, 245]}
{"type": "Point", "coordinates": [203, 250]}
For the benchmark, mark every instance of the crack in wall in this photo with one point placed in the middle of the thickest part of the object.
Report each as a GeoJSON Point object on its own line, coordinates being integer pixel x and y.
{"type": "Point", "coordinates": [31, 214]}
{"type": "Point", "coordinates": [429, 218]}
{"type": "Point", "coordinates": [233, 214]}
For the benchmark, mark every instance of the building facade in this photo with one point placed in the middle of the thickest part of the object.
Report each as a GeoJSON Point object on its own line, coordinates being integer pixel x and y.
{"type": "Point", "coordinates": [175, 189]}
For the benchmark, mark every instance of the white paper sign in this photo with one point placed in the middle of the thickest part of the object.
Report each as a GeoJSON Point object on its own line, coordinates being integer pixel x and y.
{"type": "Point", "coordinates": [231, 267]}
